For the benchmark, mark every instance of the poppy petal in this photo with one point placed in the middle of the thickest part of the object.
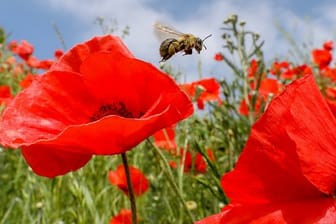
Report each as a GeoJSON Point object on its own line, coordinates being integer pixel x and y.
{"type": "Point", "coordinates": [213, 219]}
{"type": "Point", "coordinates": [311, 125]}
{"type": "Point", "coordinates": [165, 139]}
{"type": "Point", "coordinates": [310, 211]}
{"type": "Point", "coordinates": [138, 179]}
{"type": "Point", "coordinates": [124, 217]}
{"type": "Point", "coordinates": [72, 60]}
{"type": "Point", "coordinates": [55, 161]}
{"type": "Point", "coordinates": [270, 162]}
{"type": "Point", "coordinates": [41, 111]}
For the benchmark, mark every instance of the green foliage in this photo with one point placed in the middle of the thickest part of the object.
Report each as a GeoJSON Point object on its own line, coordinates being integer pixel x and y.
{"type": "Point", "coordinates": [2, 36]}
{"type": "Point", "coordinates": [86, 196]}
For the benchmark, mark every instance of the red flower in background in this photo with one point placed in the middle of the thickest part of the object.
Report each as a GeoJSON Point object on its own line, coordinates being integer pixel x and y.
{"type": "Point", "coordinates": [97, 99]}
{"type": "Point", "coordinates": [328, 45]}
{"type": "Point", "coordinates": [286, 71]}
{"type": "Point", "coordinates": [186, 159]}
{"type": "Point", "coordinates": [165, 139]}
{"type": "Point", "coordinates": [203, 90]}
{"type": "Point", "coordinates": [252, 69]}
{"type": "Point", "coordinates": [323, 57]}
{"type": "Point", "coordinates": [24, 50]}
{"type": "Point", "coordinates": [198, 161]}
{"type": "Point", "coordinates": [267, 89]}
{"type": "Point", "coordinates": [124, 217]}
{"type": "Point", "coordinates": [279, 68]}
{"type": "Point", "coordinates": [58, 53]}
{"type": "Point", "coordinates": [244, 109]}
{"type": "Point", "coordinates": [138, 179]}
{"type": "Point", "coordinates": [301, 70]}
{"type": "Point", "coordinates": [287, 171]}
{"type": "Point", "coordinates": [39, 64]}
{"type": "Point", "coordinates": [218, 57]}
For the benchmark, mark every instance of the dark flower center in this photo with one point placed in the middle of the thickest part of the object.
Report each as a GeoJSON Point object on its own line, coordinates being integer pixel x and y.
{"type": "Point", "coordinates": [117, 108]}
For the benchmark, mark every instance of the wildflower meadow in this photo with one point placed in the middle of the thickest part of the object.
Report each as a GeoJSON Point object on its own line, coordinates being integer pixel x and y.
{"type": "Point", "coordinates": [96, 135]}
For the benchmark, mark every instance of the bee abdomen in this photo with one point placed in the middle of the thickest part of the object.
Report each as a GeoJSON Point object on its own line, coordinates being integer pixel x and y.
{"type": "Point", "coordinates": [168, 48]}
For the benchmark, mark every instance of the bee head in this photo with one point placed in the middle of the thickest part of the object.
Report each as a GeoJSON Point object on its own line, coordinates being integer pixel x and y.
{"type": "Point", "coordinates": [198, 44]}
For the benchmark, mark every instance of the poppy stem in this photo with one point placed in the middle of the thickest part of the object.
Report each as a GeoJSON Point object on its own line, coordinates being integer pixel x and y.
{"type": "Point", "coordinates": [166, 168]}
{"type": "Point", "coordinates": [130, 188]}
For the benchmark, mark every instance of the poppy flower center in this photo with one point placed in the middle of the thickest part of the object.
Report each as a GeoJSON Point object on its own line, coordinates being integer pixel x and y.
{"type": "Point", "coordinates": [118, 108]}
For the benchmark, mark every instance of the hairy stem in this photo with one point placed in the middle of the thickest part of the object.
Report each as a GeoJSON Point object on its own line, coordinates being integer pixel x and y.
{"type": "Point", "coordinates": [130, 188]}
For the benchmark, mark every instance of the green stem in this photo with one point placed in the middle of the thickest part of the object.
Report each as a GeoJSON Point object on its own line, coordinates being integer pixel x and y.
{"type": "Point", "coordinates": [166, 168]}
{"type": "Point", "coordinates": [130, 188]}
{"type": "Point", "coordinates": [241, 48]}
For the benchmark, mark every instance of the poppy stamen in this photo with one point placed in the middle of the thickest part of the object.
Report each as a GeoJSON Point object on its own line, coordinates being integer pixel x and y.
{"type": "Point", "coordinates": [118, 108]}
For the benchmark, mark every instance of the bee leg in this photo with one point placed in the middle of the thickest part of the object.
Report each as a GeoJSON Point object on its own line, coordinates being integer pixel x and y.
{"type": "Point", "coordinates": [187, 51]}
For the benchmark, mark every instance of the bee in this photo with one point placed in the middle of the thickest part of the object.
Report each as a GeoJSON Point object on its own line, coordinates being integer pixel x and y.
{"type": "Point", "coordinates": [180, 42]}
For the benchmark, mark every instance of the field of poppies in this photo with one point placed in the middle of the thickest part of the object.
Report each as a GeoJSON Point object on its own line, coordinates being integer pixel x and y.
{"type": "Point", "coordinates": [95, 135]}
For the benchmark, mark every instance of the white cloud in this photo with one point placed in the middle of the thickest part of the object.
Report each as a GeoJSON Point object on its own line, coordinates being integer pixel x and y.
{"type": "Point", "coordinates": [260, 16]}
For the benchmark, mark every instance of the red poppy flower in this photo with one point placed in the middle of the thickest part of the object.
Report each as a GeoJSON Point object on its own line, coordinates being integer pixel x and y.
{"type": "Point", "coordinates": [165, 139]}
{"type": "Point", "coordinates": [285, 71]}
{"type": "Point", "coordinates": [188, 160]}
{"type": "Point", "coordinates": [200, 163]}
{"type": "Point", "coordinates": [172, 164]}
{"type": "Point", "coordinates": [253, 69]}
{"type": "Point", "coordinates": [203, 90]}
{"type": "Point", "coordinates": [24, 49]}
{"type": "Point", "coordinates": [218, 57]}
{"type": "Point", "coordinates": [124, 217]}
{"type": "Point", "coordinates": [279, 67]}
{"type": "Point", "coordinates": [97, 99]}
{"type": "Point", "coordinates": [210, 91]}
{"type": "Point", "coordinates": [268, 88]}
{"type": "Point", "coordinates": [329, 72]}
{"type": "Point", "coordinates": [244, 110]}
{"type": "Point", "coordinates": [302, 70]}
{"type": "Point", "coordinates": [58, 53]}
{"type": "Point", "coordinates": [45, 64]}
{"type": "Point", "coordinates": [139, 180]}
{"type": "Point", "coordinates": [322, 57]}
{"type": "Point", "coordinates": [287, 171]}
{"type": "Point", "coordinates": [33, 62]}
{"type": "Point", "coordinates": [328, 45]}
{"type": "Point", "coordinates": [288, 74]}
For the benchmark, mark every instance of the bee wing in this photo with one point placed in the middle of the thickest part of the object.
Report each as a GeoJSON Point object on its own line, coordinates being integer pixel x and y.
{"type": "Point", "coordinates": [163, 31]}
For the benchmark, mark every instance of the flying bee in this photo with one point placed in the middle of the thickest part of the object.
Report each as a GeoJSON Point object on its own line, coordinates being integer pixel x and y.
{"type": "Point", "coordinates": [180, 42]}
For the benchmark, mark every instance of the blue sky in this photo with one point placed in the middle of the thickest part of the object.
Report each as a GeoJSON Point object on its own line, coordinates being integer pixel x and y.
{"type": "Point", "coordinates": [33, 20]}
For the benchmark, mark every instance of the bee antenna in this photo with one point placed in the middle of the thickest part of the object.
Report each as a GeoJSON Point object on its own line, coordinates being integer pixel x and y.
{"type": "Point", "coordinates": [207, 37]}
